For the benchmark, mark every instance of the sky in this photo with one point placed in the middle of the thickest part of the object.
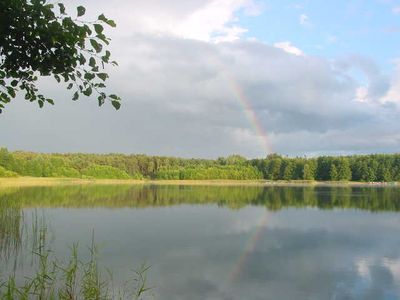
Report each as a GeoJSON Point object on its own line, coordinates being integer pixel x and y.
{"type": "Point", "coordinates": [209, 78]}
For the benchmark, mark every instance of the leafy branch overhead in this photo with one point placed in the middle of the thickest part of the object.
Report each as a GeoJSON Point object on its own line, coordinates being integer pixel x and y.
{"type": "Point", "coordinates": [38, 38]}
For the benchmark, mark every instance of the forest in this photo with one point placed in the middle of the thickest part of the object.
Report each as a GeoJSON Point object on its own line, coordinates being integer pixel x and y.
{"type": "Point", "coordinates": [367, 168]}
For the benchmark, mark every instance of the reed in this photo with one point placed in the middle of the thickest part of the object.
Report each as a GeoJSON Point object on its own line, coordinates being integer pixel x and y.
{"type": "Point", "coordinates": [70, 279]}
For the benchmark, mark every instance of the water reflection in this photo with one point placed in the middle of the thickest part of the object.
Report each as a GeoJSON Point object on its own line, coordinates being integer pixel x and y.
{"type": "Point", "coordinates": [228, 242]}
{"type": "Point", "coordinates": [273, 198]}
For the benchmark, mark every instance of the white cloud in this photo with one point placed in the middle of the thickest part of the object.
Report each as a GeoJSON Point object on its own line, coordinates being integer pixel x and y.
{"type": "Point", "coordinates": [212, 22]}
{"type": "Point", "coordinates": [205, 20]}
{"type": "Point", "coordinates": [396, 10]}
{"type": "Point", "coordinates": [289, 48]}
{"type": "Point", "coordinates": [332, 39]}
{"type": "Point", "coordinates": [362, 94]}
{"type": "Point", "coordinates": [393, 94]}
{"type": "Point", "coordinates": [363, 266]}
{"type": "Point", "coordinates": [304, 20]}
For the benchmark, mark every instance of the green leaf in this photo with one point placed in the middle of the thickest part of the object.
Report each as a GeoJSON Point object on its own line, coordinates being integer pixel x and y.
{"type": "Point", "coordinates": [70, 86]}
{"type": "Point", "coordinates": [41, 103]}
{"type": "Point", "coordinates": [14, 82]}
{"type": "Point", "coordinates": [76, 96]}
{"type": "Point", "coordinates": [102, 76]}
{"type": "Point", "coordinates": [11, 91]}
{"type": "Point", "coordinates": [98, 28]}
{"type": "Point", "coordinates": [101, 99]}
{"type": "Point", "coordinates": [4, 98]}
{"type": "Point", "coordinates": [51, 101]}
{"type": "Point", "coordinates": [81, 10]}
{"type": "Point", "coordinates": [100, 85]}
{"type": "Point", "coordinates": [96, 46]}
{"type": "Point", "coordinates": [89, 76]}
{"type": "Point", "coordinates": [82, 59]}
{"type": "Point", "coordinates": [88, 91]}
{"type": "Point", "coordinates": [111, 23]}
{"type": "Point", "coordinates": [103, 18]}
{"type": "Point", "coordinates": [62, 8]}
{"type": "Point", "coordinates": [92, 62]}
{"type": "Point", "coordinates": [116, 104]}
{"type": "Point", "coordinates": [113, 96]}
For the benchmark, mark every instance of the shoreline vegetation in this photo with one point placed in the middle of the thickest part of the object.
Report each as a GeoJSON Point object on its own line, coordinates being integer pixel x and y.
{"type": "Point", "coordinates": [20, 168]}
{"type": "Point", "coordinates": [59, 181]}
{"type": "Point", "coordinates": [47, 276]}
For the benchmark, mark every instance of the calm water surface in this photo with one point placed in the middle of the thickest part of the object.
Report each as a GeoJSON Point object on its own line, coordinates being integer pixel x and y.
{"type": "Point", "coordinates": [223, 242]}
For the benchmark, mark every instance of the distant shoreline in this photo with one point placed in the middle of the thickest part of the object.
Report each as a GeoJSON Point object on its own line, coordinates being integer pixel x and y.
{"type": "Point", "coordinates": [50, 181]}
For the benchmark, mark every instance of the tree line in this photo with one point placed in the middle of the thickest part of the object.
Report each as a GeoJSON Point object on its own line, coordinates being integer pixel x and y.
{"type": "Point", "coordinates": [368, 168]}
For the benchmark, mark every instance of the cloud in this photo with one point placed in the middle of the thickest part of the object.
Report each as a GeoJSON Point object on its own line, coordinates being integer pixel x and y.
{"type": "Point", "coordinates": [362, 94]}
{"type": "Point", "coordinates": [205, 20]}
{"type": "Point", "coordinates": [304, 20]}
{"type": "Point", "coordinates": [396, 10]}
{"type": "Point", "coordinates": [187, 96]}
{"type": "Point", "coordinates": [289, 48]}
{"type": "Point", "coordinates": [393, 94]}
{"type": "Point", "coordinates": [377, 82]}
{"type": "Point", "coordinates": [332, 39]}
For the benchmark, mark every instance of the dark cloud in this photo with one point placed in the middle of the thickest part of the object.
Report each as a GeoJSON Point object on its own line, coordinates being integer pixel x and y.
{"type": "Point", "coordinates": [183, 97]}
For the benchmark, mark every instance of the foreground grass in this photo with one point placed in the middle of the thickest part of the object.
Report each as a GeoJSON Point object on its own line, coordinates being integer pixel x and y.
{"type": "Point", "coordinates": [71, 279]}
{"type": "Point", "coordinates": [50, 181]}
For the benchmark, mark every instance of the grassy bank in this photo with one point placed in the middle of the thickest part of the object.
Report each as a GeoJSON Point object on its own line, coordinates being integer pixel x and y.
{"type": "Point", "coordinates": [49, 181]}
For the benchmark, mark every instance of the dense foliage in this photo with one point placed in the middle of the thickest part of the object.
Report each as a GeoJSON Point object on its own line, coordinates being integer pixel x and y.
{"type": "Point", "coordinates": [105, 172]}
{"type": "Point", "coordinates": [232, 172]}
{"type": "Point", "coordinates": [39, 38]}
{"type": "Point", "coordinates": [7, 173]}
{"type": "Point", "coordinates": [368, 168]}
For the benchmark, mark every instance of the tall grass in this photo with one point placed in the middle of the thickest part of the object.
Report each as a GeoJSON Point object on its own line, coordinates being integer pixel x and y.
{"type": "Point", "coordinates": [70, 279]}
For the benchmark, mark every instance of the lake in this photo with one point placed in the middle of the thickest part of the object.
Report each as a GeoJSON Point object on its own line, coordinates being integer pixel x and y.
{"type": "Point", "coordinates": [210, 242]}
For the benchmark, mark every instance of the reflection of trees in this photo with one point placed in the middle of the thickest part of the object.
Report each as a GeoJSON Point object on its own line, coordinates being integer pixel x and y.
{"type": "Point", "coordinates": [14, 230]}
{"type": "Point", "coordinates": [18, 236]}
{"type": "Point", "coordinates": [11, 226]}
{"type": "Point", "coordinates": [274, 198]}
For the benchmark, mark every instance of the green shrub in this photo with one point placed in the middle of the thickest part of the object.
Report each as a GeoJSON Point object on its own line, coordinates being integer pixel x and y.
{"type": "Point", "coordinates": [105, 172]}
{"type": "Point", "coordinates": [230, 172]}
{"type": "Point", "coordinates": [6, 173]}
{"type": "Point", "coordinates": [67, 172]}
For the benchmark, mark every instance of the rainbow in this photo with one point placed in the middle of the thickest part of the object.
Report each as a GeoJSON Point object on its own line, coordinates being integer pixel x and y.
{"type": "Point", "coordinates": [249, 111]}
{"type": "Point", "coordinates": [264, 140]}
{"type": "Point", "coordinates": [249, 248]}
{"type": "Point", "coordinates": [250, 114]}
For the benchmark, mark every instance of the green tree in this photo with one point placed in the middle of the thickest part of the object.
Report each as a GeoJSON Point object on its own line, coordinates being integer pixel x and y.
{"type": "Point", "coordinates": [105, 172]}
{"type": "Point", "coordinates": [308, 172]}
{"type": "Point", "coordinates": [288, 170]}
{"type": "Point", "coordinates": [7, 173]}
{"type": "Point", "coordinates": [235, 159]}
{"type": "Point", "coordinates": [274, 168]}
{"type": "Point", "coordinates": [333, 173]}
{"type": "Point", "coordinates": [343, 169]}
{"type": "Point", "coordinates": [38, 38]}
